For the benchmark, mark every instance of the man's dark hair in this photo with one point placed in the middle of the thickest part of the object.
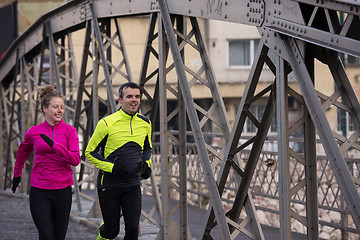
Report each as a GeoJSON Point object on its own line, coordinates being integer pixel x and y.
{"type": "Point", "coordinates": [127, 85]}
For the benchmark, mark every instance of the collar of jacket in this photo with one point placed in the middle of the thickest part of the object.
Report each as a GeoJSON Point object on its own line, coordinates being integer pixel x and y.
{"type": "Point", "coordinates": [125, 114]}
{"type": "Point", "coordinates": [58, 124]}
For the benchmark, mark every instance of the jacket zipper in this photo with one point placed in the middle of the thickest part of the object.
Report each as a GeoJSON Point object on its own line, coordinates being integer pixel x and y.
{"type": "Point", "coordinates": [131, 125]}
{"type": "Point", "coordinates": [52, 134]}
{"type": "Point", "coordinates": [102, 177]}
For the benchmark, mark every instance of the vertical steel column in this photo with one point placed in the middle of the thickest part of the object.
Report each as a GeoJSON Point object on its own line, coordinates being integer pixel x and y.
{"type": "Point", "coordinates": [22, 94]}
{"type": "Point", "coordinates": [11, 124]}
{"type": "Point", "coordinates": [152, 112]}
{"type": "Point", "coordinates": [312, 215]}
{"type": "Point", "coordinates": [181, 27]}
{"type": "Point", "coordinates": [61, 66]}
{"type": "Point", "coordinates": [83, 112]}
{"type": "Point", "coordinates": [23, 117]}
{"type": "Point", "coordinates": [171, 229]}
{"type": "Point", "coordinates": [2, 139]}
{"type": "Point", "coordinates": [283, 142]}
{"type": "Point", "coordinates": [164, 143]}
{"type": "Point", "coordinates": [95, 209]}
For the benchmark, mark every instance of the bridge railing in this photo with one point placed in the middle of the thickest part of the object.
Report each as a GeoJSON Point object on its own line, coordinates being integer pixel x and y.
{"type": "Point", "coordinates": [333, 212]}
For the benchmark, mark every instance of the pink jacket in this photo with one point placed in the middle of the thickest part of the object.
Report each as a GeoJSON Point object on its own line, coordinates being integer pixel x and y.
{"type": "Point", "coordinates": [52, 166]}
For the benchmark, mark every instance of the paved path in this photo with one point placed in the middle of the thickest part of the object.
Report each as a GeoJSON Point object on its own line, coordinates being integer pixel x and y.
{"type": "Point", "coordinates": [16, 222]}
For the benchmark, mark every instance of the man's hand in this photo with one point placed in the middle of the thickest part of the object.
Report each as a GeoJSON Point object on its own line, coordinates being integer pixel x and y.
{"type": "Point", "coordinates": [119, 170]}
{"type": "Point", "coordinates": [145, 170]}
{"type": "Point", "coordinates": [16, 181]}
{"type": "Point", "coordinates": [47, 140]}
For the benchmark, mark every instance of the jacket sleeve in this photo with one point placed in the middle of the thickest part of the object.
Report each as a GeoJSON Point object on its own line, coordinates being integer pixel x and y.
{"type": "Point", "coordinates": [97, 141]}
{"type": "Point", "coordinates": [146, 154]}
{"type": "Point", "coordinates": [71, 153]}
{"type": "Point", "coordinates": [24, 151]}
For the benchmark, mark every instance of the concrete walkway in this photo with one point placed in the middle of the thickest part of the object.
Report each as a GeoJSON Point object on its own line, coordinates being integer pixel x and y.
{"type": "Point", "coordinates": [16, 221]}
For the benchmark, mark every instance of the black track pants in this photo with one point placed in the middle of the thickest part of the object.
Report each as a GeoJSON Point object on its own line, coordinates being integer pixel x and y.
{"type": "Point", "coordinates": [112, 202]}
{"type": "Point", "coordinates": [50, 210]}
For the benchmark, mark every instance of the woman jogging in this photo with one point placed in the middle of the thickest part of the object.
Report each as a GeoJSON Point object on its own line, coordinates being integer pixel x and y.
{"type": "Point", "coordinates": [56, 149]}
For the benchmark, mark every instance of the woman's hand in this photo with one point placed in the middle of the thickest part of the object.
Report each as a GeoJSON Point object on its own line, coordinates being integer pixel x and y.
{"type": "Point", "coordinates": [47, 140]}
{"type": "Point", "coordinates": [16, 181]}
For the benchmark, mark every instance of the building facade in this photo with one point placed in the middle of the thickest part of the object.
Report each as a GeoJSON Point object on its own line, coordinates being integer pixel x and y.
{"type": "Point", "coordinates": [231, 48]}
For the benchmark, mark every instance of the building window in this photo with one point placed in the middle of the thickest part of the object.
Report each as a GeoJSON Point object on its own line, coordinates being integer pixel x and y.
{"type": "Point", "coordinates": [344, 123]}
{"type": "Point", "coordinates": [242, 52]}
{"type": "Point", "coordinates": [352, 61]}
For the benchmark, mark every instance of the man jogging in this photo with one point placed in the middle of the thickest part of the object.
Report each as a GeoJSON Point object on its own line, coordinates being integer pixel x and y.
{"type": "Point", "coordinates": [120, 148]}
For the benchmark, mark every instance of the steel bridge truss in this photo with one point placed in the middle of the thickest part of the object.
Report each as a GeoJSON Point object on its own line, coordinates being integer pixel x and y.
{"type": "Point", "coordinates": [298, 32]}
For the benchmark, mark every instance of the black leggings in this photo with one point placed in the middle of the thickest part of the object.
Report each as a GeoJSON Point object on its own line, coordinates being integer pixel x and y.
{"type": "Point", "coordinates": [112, 202]}
{"type": "Point", "coordinates": [50, 210]}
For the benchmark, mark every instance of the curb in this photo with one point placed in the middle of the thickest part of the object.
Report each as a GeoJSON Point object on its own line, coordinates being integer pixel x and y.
{"type": "Point", "coordinates": [14, 195]}
{"type": "Point", "coordinates": [84, 221]}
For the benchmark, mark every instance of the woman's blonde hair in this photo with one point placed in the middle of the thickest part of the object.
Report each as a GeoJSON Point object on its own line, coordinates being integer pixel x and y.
{"type": "Point", "coordinates": [45, 94]}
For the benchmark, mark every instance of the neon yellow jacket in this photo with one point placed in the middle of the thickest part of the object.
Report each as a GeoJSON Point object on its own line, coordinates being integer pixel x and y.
{"type": "Point", "coordinates": [124, 139]}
